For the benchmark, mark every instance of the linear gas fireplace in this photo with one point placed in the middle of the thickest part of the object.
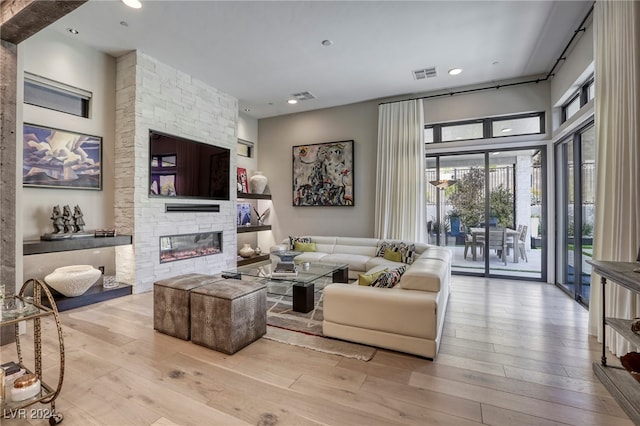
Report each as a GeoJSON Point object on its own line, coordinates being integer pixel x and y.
{"type": "Point", "coordinates": [187, 246]}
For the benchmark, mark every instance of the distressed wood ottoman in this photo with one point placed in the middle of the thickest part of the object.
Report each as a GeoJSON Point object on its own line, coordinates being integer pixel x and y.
{"type": "Point", "coordinates": [228, 315]}
{"type": "Point", "coordinates": [171, 303]}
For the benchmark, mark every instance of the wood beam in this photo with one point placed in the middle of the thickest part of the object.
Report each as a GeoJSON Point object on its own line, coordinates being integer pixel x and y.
{"type": "Point", "coordinates": [20, 19]}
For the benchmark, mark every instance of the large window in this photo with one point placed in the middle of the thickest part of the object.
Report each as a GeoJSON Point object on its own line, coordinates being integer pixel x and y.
{"type": "Point", "coordinates": [484, 194]}
{"type": "Point", "coordinates": [486, 128]}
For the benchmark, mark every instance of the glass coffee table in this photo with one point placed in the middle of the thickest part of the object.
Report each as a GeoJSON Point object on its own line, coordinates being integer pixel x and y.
{"type": "Point", "coordinates": [300, 285]}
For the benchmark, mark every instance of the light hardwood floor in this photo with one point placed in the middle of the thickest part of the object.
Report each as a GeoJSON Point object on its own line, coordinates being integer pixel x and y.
{"type": "Point", "coordinates": [514, 353]}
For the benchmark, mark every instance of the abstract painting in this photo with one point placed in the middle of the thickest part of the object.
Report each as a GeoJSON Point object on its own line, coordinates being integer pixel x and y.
{"type": "Point", "coordinates": [323, 174]}
{"type": "Point", "coordinates": [56, 158]}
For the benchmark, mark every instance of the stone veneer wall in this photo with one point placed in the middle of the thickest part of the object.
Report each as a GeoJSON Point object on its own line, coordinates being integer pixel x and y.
{"type": "Point", "coordinates": [153, 95]}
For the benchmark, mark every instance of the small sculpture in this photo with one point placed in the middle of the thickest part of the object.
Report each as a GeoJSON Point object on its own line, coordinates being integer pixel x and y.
{"type": "Point", "coordinates": [78, 221]}
{"type": "Point", "coordinates": [58, 221]}
{"type": "Point", "coordinates": [67, 218]}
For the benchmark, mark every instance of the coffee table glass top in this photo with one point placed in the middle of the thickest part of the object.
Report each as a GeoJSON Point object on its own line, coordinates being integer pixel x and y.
{"type": "Point", "coordinates": [307, 272]}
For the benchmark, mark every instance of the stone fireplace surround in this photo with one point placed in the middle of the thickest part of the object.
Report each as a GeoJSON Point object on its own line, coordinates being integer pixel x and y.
{"type": "Point", "coordinates": [153, 95]}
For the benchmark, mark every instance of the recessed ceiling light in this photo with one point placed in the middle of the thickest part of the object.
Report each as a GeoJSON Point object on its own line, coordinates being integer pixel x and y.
{"type": "Point", "coordinates": [135, 4]}
{"type": "Point", "coordinates": [327, 42]}
{"type": "Point", "coordinates": [506, 129]}
{"type": "Point", "coordinates": [455, 71]}
{"type": "Point", "coordinates": [247, 110]}
{"type": "Point", "coordinates": [72, 30]}
{"type": "Point", "coordinates": [292, 101]}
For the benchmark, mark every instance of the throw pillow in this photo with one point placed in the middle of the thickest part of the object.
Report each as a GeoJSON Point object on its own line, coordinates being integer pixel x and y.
{"type": "Point", "coordinates": [368, 279]}
{"type": "Point", "coordinates": [300, 246]}
{"type": "Point", "coordinates": [394, 256]}
{"type": "Point", "coordinates": [383, 247]}
{"type": "Point", "coordinates": [389, 279]}
{"type": "Point", "coordinates": [407, 250]}
{"type": "Point", "coordinates": [292, 241]}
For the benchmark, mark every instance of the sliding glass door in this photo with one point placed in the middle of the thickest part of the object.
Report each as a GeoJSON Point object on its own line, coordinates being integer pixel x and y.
{"type": "Point", "coordinates": [486, 207]}
{"type": "Point", "coordinates": [575, 196]}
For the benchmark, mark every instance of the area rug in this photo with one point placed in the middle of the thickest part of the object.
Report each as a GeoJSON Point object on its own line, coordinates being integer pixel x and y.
{"type": "Point", "coordinates": [305, 330]}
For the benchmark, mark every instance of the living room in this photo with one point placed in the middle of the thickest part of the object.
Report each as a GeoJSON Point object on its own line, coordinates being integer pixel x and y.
{"type": "Point", "coordinates": [114, 84]}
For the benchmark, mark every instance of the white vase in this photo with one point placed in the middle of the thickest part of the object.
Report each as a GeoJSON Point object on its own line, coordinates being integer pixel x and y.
{"type": "Point", "coordinates": [258, 183]}
{"type": "Point", "coordinates": [246, 251]}
{"type": "Point", "coordinates": [73, 280]}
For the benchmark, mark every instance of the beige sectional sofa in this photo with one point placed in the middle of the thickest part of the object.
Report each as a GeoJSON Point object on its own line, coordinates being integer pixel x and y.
{"type": "Point", "coordinates": [406, 318]}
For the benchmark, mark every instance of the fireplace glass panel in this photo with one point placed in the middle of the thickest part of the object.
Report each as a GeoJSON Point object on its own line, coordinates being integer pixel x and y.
{"type": "Point", "coordinates": [187, 246]}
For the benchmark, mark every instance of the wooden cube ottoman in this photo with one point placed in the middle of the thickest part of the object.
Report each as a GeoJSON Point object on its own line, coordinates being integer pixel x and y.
{"type": "Point", "coordinates": [171, 303]}
{"type": "Point", "coordinates": [228, 315]}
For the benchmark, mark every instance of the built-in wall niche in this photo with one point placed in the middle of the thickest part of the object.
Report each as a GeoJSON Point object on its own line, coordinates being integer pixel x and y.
{"type": "Point", "coordinates": [188, 246]}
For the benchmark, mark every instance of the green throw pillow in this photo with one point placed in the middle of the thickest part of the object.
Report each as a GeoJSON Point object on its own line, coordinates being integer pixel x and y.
{"type": "Point", "coordinates": [394, 256]}
{"type": "Point", "coordinates": [300, 246]}
{"type": "Point", "coordinates": [367, 279]}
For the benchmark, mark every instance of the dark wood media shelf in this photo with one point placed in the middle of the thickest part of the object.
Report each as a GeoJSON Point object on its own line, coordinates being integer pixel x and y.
{"type": "Point", "coordinates": [249, 196]}
{"type": "Point", "coordinates": [95, 294]}
{"type": "Point", "coordinates": [253, 259]}
{"type": "Point", "coordinates": [68, 244]}
{"type": "Point", "coordinates": [253, 228]}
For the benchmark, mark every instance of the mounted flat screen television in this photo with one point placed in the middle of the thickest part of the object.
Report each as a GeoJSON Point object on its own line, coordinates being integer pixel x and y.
{"type": "Point", "coordinates": [182, 168]}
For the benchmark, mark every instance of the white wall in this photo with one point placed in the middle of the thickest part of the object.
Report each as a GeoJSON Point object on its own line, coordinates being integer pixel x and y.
{"type": "Point", "coordinates": [60, 58]}
{"type": "Point", "coordinates": [277, 137]}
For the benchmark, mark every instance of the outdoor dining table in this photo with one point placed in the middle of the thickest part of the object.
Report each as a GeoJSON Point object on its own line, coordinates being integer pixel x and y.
{"type": "Point", "coordinates": [475, 232]}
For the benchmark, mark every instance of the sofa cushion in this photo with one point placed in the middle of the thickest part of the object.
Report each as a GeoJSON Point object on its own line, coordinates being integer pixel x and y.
{"type": "Point", "coordinates": [357, 262]}
{"type": "Point", "coordinates": [425, 275]}
{"type": "Point", "coordinates": [381, 262]}
{"type": "Point", "coordinates": [310, 256]}
{"type": "Point", "coordinates": [438, 253]}
{"type": "Point", "coordinates": [363, 246]}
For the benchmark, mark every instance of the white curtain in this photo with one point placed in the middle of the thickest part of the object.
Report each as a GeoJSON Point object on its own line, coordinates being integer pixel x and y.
{"type": "Point", "coordinates": [400, 191]}
{"type": "Point", "coordinates": [617, 216]}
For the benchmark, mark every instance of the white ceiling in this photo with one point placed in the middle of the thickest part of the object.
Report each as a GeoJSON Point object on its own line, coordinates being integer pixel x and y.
{"type": "Point", "coordinates": [263, 51]}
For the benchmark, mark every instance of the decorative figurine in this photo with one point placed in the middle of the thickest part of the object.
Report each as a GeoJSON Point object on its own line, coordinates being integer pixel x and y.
{"type": "Point", "coordinates": [77, 219]}
{"type": "Point", "coordinates": [58, 221]}
{"type": "Point", "coordinates": [67, 217]}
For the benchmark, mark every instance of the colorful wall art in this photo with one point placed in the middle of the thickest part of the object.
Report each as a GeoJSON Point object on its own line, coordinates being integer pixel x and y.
{"type": "Point", "coordinates": [323, 174]}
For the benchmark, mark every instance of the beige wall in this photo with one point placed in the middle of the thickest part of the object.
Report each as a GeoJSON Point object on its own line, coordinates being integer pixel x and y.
{"type": "Point", "coordinates": [60, 58]}
{"type": "Point", "coordinates": [359, 122]}
{"type": "Point", "coordinates": [278, 135]}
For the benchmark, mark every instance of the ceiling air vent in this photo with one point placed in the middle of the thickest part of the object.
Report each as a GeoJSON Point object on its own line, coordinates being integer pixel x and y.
{"type": "Point", "coordinates": [424, 73]}
{"type": "Point", "coordinates": [303, 96]}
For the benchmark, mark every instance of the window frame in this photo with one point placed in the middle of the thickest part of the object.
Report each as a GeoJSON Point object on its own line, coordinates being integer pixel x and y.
{"type": "Point", "coordinates": [61, 90]}
{"type": "Point", "coordinates": [487, 124]}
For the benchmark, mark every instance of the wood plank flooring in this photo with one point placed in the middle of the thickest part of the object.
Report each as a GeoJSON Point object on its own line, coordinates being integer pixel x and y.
{"type": "Point", "coordinates": [513, 353]}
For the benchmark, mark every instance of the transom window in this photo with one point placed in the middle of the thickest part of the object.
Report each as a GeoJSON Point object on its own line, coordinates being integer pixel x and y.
{"type": "Point", "coordinates": [486, 128]}
{"type": "Point", "coordinates": [46, 93]}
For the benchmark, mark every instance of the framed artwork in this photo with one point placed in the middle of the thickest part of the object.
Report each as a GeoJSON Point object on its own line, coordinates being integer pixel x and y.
{"type": "Point", "coordinates": [55, 158]}
{"type": "Point", "coordinates": [243, 182]}
{"type": "Point", "coordinates": [323, 174]}
{"type": "Point", "coordinates": [244, 214]}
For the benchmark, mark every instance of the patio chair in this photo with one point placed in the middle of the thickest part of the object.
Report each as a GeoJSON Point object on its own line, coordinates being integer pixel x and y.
{"type": "Point", "coordinates": [522, 242]}
{"type": "Point", "coordinates": [498, 241]}
{"type": "Point", "coordinates": [468, 243]}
